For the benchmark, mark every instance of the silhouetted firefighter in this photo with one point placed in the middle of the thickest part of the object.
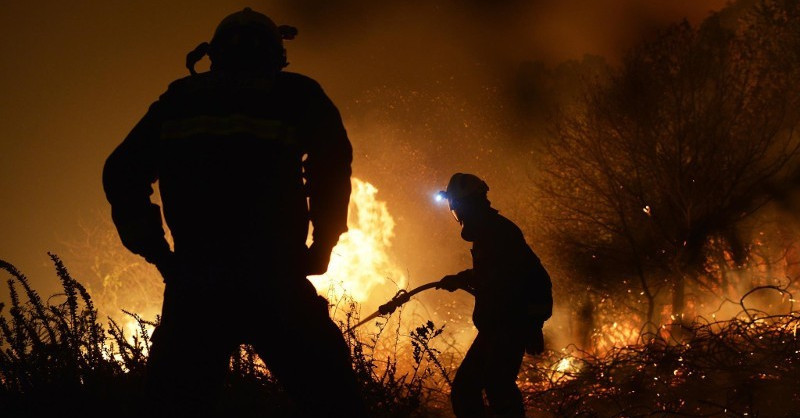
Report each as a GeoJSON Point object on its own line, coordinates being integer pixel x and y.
{"type": "Point", "coordinates": [231, 149]}
{"type": "Point", "coordinates": [512, 300]}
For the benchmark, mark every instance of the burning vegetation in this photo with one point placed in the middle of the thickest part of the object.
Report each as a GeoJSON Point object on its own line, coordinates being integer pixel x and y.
{"type": "Point", "coordinates": [57, 357]}
{"type": "Point", "coordinates": [741, 367]}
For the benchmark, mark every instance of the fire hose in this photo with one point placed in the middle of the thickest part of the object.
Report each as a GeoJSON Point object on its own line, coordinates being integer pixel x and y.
{"type": "Point", "coordinates": [398, 300]}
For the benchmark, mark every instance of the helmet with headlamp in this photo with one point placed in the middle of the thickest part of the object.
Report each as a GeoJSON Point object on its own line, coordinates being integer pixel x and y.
{"type": "Point", "coordinates": [462, 190]}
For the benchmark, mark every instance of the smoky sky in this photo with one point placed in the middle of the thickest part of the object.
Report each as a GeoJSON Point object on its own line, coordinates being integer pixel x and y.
{"type": "Point", "coordinates": [76, 76]}
{"type": "Point", "coordinates": [424, 39]}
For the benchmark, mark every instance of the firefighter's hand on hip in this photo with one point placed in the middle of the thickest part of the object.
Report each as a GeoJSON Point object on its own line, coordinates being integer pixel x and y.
{"type": "Point", "coordinates": [317, 260]}
{"type": "Point", "coordinates": [169, 267]}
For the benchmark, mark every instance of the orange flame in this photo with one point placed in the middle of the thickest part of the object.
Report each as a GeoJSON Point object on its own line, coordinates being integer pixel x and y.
{"type": "Point", "coordinates": [360, 264]}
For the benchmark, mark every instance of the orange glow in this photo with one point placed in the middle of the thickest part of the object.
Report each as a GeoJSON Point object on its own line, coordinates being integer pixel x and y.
{"type": "Point", "coordinates": [616, 334]}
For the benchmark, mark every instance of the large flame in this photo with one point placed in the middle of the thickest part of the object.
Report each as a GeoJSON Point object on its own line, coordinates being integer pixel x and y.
{"type": "Point", "coordinates": [360, 265]}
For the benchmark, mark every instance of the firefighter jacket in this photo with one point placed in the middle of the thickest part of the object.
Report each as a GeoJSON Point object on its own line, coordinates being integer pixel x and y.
{"type": "Point", "coordinates": [510, 284]}
{"type": "Point", "coordinates": [243, 163]}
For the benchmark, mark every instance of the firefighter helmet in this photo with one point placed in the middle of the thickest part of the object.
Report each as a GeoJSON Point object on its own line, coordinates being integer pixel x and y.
{"type": "Point", "coordinates": [245, 39]}
{"type": "Point", "coordinates": [247, 26]}
{"type": "Point", "coordinates": [464, 191]}
{"type": "Point", "coordinates": [463, 185]}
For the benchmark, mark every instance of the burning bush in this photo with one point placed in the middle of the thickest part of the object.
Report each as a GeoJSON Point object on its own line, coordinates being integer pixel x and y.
{"type": "Point", "coordinates": [748, 366]}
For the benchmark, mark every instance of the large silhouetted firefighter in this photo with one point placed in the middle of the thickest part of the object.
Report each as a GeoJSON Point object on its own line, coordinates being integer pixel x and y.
{"type": "Point", "coordinates": [512, 300]}
{"type": "Point", "coordinates": [245, 156]}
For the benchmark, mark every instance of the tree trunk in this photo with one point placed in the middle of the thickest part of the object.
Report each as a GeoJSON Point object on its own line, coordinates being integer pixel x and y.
{"type": "Point", "coordinates": [586, 324]}
{"type": "Point", "coordinates": [678, 297]}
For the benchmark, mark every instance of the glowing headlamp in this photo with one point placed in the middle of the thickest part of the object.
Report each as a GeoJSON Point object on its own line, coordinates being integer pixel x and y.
{"type": "Point", "coordinates": [441, 196]}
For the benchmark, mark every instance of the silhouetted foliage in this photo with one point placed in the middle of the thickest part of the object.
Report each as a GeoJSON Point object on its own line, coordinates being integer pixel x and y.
{"type": "Point", "coordinates": [57, 358]}
{"type": "Point", "coordinates": [55, 354]}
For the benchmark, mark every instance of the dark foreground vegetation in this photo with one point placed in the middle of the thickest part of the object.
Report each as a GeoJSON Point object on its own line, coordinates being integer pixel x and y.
{"type": "Point", "coordinates": [58, 359]}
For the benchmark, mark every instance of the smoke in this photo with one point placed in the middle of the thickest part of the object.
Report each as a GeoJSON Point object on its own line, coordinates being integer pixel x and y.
{"type": "Point", "coordinates": [405, 42]}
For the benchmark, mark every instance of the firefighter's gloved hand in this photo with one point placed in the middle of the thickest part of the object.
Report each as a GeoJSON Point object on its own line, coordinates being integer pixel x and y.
{"type": "Point", "coordinates": [535, 341]}
{"type": "Point", "coordinates": [167, 264]}
{"type": "Point", "coordinates": [387, 308]}
{"type": "Point", "coordinates": [319, 256]}
{"type": "Point", "coordinates": [451, 282]}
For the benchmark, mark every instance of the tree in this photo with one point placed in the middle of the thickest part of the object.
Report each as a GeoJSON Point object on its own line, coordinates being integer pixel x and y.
{"type": "Point", "coordinates": [671, 153]}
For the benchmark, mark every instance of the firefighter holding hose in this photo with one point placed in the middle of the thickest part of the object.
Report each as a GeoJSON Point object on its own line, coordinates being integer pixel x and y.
{"type": "Point", "coordinates": [246, 155]}
{"type": "Point", "coordinates": [512, 300]}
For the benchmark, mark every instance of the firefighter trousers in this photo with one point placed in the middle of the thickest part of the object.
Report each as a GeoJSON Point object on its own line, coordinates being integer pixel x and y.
{"type": "Point", "coordinates": [290, 329]}
{"type": "Point", "coordinates": [491, 365]}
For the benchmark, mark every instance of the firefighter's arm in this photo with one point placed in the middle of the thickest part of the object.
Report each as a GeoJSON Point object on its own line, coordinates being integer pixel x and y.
{"type": "Point", "coordinates": [327, 172]}
{"type": "Point", "coordinates": [128, 176]}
